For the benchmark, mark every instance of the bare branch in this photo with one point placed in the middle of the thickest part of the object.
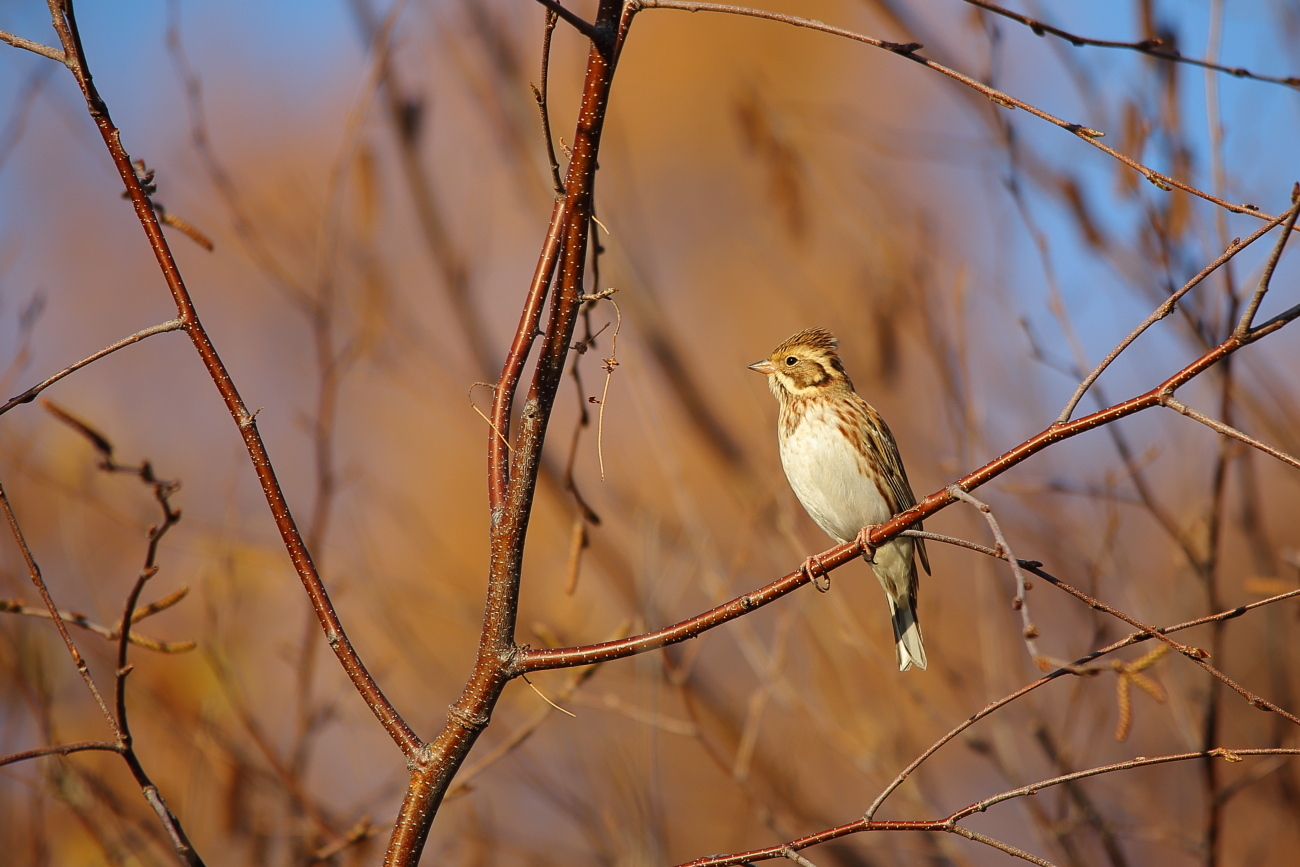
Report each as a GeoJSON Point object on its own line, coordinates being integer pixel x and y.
{"type": "Point", "coordinates": [34, 572]}
{"type": "Point", "coordinates": [578, 23]}
{"type": "Point", "coordinates": [1003, 551]}
{"type": "Point", "coordinates": [949, 823]}
{"type": "Point", "coordinates": [30, 394]}
{"type": "Point", "coordinates": [65, 25]}
{"type": "Point", "coordinates": [16, 606]}
{"type": "Point", "coordinates": [1248, 316]}
{"type": "Point", "coordinates": [1227, 430]}
{"type": "Point", "coordinates": [1161, 312]}
{"type": "Point", "coordinates": [540, 94]}
{"type": "Point", "coordinates": [1150, 47]}
{"type": "Point", "coordinates": [908, 50]}
{"type": "Point", "coordinates": [60, 750]}
{"type": "Point", "coordinates": [35, 47]}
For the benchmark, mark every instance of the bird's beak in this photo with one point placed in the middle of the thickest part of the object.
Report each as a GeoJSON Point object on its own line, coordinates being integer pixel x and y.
{"type": "Point", "coordinates": [764, 367]}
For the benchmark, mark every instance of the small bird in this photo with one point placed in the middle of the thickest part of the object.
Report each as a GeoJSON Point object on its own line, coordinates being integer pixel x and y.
{"type": "Point", "coordinates": [845, 469]}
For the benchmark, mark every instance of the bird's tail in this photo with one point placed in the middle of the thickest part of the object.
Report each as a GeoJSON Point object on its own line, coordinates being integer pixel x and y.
{"type": "Point", "coordinates": [907, 633]}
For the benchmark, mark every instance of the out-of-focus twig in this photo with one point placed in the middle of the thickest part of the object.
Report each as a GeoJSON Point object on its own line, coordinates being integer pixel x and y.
{"type": "Point", "coordinates": [1150, 47]}
{"type": "Point", "coordinates": [949, 824]}
{"type": "Point", "coordinates": [909, 50]}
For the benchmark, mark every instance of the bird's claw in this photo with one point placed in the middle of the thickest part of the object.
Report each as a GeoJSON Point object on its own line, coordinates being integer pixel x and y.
{"type": "Point", "coordinates": [864, 542]}
{"type": "Point", "coordinates": [816, 572]}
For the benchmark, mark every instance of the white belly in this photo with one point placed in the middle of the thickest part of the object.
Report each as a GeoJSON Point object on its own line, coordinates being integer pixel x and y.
{"type": "Point", "coordinates": [829, 477]}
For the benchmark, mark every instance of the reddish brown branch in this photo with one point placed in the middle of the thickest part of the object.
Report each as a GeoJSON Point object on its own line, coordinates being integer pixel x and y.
{"type": "Point", "coordinates": [534, 660]}
{"type": "Point", "coordinates": [513, 471]}
{"type": "Point", "coordinates": [66, 27]}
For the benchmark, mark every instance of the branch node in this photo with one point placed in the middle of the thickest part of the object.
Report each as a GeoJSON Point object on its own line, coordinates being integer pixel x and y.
{"type": "Point", "coordinates": [472, 722]}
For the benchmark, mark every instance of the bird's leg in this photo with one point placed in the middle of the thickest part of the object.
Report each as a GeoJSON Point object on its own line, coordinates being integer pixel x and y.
{"type": "Point", "coordinates": [817, 574]}
{"type": "Point", "coordinates": [864, 542]}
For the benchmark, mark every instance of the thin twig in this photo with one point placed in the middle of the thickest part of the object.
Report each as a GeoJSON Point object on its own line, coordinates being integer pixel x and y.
{"type": "Point", "coordinates": [35, 47]}
{"type": "Point", "coordinates": [1003, 551]}
{"type": "Point", "coordinates": [1162, 311]}
{"type": "Point", "coordinates": [16, 606]}
{"type": "Point", "coordinates": [31, 393]}
{"type": "Point", "coordinates": [609, 364]}
{"type": "Point", "coordinates": [950, 825]}
{"type": "Point", "coordinates": [1248, 316]}
{"type": "Point", "coordinates": [1080, 796]}
{"type": "Point", "coordinates": [1150, 47]}
{"type": "Point", "coordinates": [65, 25]}
{"type": "Point", "coordinates": [579, 23]}
{"type": "Point", "coordinates": [163, 490]}
{"type": "Point", "coordinates": [1014, 852]}
{"type": "Point", "coordinates": [908, 50]}
{"type": "Point", "coordinates": [1227, 430]}
{"type": "Point", "coordinates": [540, 94]}
{"type": "Point", "coordinates": [34, 572]}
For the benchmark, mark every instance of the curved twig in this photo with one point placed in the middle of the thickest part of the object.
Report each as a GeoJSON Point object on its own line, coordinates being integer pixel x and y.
{"type": "Point", "coordinates": [1150, 47]}
{"type": "Point", "coordinates": [949, 824]}
{"type": "Point", "coordinates": [66, 27]}
{"type": "Point", "coordinates": [30, 394]}
{"type": "Point", "coordinates": [908, 50]}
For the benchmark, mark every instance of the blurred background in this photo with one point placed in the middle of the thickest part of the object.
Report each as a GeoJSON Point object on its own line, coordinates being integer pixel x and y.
{"type": "Point", "coordinates": [375, 184]}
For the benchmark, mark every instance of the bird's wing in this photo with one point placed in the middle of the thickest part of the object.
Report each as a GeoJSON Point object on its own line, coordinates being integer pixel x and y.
{"type": "Point", "coordinates": [895, 476]}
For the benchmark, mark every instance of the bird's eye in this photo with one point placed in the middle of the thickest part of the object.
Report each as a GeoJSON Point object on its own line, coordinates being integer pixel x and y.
{"type": "Point", "coordinates": [791, 360]}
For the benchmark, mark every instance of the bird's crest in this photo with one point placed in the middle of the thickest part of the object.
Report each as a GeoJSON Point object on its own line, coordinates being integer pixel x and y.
{"type": "Point", "coordinates": [810, 338]}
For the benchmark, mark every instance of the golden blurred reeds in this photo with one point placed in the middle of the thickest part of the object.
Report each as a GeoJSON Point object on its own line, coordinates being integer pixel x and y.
{"type": "Point", "coordinates": [755, 179]}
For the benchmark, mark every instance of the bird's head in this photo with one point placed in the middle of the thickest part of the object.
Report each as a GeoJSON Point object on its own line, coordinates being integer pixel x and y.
{"type": "Point", "coordinates": [806, 364]}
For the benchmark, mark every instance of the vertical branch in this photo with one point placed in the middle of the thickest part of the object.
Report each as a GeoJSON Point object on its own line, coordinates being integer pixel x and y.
{"type": "Point", "coordinates": [512, 472]}
{"type": "Point", "coordinates": [540, 93]}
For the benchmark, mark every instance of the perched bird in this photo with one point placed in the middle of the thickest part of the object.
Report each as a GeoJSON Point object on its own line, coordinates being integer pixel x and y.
{"type": "Point", "coordinates": [845, 469]}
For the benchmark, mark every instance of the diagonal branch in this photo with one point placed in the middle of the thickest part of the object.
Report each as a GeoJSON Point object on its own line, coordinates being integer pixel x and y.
{"type": "Point", "coordinates": [66, 26]}
{"type": "Point", "coordinates": [528, 660]}
{"type": "Point", "coordinates": [1162, 311]}
{"type": "Point", "coordinates": [908, 50]}
{"type": "Point", "coordinates": [1228, 430]}
{"type": "Point", "coordinates": [34, 47]}
{"type": "Point", "coordinates": [578, 23]}
{"type": "Point", "coordinates": [1257, 297]}
{"type": "Point", "coordinates": [34, 572]}
{"type": "Point", "coordinates": [30, 394]}
{"type": "Point", "coordinates": [949, 824]}
{"type": "Point", "coordinates": [1150, 47]}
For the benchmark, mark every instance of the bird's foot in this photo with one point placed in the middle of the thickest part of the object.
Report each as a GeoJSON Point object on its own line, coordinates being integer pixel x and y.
{"type": "Point", "coordinates": [864, 542]}
{"type": "Point", "coordinates": [817, 574]}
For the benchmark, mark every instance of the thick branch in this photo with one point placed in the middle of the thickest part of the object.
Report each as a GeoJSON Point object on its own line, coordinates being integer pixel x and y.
{"type": "Point", "coordinates": [512, 471]}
